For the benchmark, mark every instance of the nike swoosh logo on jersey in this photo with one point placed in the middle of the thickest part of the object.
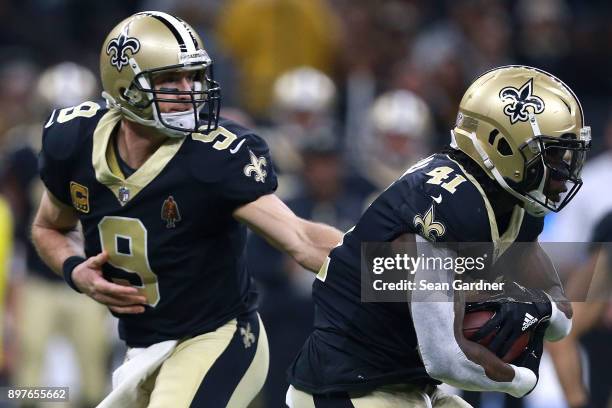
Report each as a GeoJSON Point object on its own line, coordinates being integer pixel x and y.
{"type": "Point", "coordinates": [235, 149]}
{"type": "Point", "coordinates": [528, 321]}
{"type": "Point", "coordinates": [437, 199]}
{"type": "Point", "coordinates": [50, 121]}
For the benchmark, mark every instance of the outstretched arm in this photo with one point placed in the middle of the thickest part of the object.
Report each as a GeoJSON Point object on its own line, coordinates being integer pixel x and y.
{"type": "Point", "coordinates": [307, 242]}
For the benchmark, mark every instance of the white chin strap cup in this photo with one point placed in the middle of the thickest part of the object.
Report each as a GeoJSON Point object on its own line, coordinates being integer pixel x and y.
{"type": "Point", "coordinates": [179, 119]}
{"type": "Point", "coordinates": [184, 120]}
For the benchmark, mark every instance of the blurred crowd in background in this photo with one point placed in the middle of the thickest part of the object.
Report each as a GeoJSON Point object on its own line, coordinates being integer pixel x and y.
{"type": "Point", "coordinates": [347, 93]}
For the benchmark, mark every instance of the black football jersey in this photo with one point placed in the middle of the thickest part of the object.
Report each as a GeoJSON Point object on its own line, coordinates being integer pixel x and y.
{"type": "Point", "coordinates": [168, 227]}
{"type": "Point", "coordinates": [357, 346]}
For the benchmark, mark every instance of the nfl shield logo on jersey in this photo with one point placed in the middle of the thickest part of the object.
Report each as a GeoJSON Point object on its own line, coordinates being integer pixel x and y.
{"type": "Point", "coordinates": [124, 195]}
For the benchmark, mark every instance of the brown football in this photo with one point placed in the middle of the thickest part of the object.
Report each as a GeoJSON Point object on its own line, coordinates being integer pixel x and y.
{"type": "Point", "coordinates": [475, 320]}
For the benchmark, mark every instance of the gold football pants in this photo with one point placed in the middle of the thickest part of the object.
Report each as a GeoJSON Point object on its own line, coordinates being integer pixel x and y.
{"type": "Point", "coordinates": [224, 368]}
{"type": "Point", "coordinates": [396, 396]}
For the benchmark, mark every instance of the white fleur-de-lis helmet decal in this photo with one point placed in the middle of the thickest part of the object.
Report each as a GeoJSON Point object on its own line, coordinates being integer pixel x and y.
{"type": "Point", "coordinates": [520, 101]}
{"type": "Point", "coordinates": [119, 46]}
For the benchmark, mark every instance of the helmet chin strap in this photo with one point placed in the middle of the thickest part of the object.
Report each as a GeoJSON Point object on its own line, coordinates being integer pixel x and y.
{"type": "Point", "coordinates": [131, 116]}
{"type": "Point", "coordinates": [530, 205]}
{"type": "Point", "coordinates": [539, 192]}
{"type": "Point", "coordinates": [179, 119]}
{"type": "Point", "coordinates": [185, 119]}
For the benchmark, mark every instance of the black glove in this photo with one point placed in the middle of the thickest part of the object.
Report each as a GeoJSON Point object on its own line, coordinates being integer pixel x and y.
{"type": "Point", "coordinates": [517, 310]}
{"type": "Point", "coordinates": [533, 353]}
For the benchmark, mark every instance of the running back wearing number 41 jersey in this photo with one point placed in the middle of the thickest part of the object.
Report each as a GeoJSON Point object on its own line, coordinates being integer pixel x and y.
{"type": "Point", "coordinates": [358, 346]}
{"type": "Point", "coordinates": [168, 227]}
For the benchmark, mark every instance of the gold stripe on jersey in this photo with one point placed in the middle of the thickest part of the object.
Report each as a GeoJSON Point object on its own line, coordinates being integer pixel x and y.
{"type": "Point", "coordinates": [113, 163]}
{"type": "Point", "coordinates": [143, 175]}
{"type": "Point", "coordinates": [503, 242]}
{"type": "Point", "coordinates": [514, 226]}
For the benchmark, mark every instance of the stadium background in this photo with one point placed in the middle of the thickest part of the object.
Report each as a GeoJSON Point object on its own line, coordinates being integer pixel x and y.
{"type": "Point", "coordinates": [332, 149]}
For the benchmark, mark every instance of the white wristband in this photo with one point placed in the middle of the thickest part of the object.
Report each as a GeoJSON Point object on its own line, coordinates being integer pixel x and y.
{"type": "Point", "coordinates": [523, 382]}
{"type": "Point", "coordinates": [559, 326]}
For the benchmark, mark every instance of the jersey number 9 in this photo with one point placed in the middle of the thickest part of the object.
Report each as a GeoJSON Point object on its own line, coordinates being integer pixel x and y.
{"type": "Point", "coordinates": [125, 240]}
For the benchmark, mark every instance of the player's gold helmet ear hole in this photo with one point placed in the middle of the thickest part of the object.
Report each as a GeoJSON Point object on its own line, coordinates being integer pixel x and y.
{"type": "Point", "coordinates": [134, 97]}
{"type": "Point", "coordinates": [503, 147]}
{"type": "Point", "coordinates": [492, 136]}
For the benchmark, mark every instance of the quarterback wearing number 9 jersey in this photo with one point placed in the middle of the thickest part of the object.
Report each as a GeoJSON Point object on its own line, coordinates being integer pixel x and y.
{"type": "Point", "coordinates": [162, 187]}
{"type": "Point", "coordinates": [160, 225]}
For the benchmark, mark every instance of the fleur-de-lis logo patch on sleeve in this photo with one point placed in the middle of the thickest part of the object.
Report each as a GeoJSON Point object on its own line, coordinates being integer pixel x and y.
{"type": "Point", "coordinates": [427, 227]}
{"type": "Point", "coordinates": [256, 167]}
{"type": "Point", "coordinates": [520, 100]}
{"type": "Point", "coordinates": [119, 46]}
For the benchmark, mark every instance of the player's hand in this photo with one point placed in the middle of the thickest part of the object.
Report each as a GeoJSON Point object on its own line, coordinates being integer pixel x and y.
{"type": "Point", "coordinates": [120, 299]}
{"type": "Point", "coordinates": [533, 353]}
{"type": "Point", "coordinates": [530, 359]}
{"type": "Point", "coordinates": [517, 310]}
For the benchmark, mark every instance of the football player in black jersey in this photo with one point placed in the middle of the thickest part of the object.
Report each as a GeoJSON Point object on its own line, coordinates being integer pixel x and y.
{"type": "Point", "coordinates": [516, 153]}
{"type": "Point", "coordinates": [163, 188]}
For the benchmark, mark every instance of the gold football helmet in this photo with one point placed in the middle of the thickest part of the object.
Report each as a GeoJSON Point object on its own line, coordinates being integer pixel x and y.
{"type": "Point", "coordinates": [151, 44]}
{"type": "Point", "coordinates": [525, 128]}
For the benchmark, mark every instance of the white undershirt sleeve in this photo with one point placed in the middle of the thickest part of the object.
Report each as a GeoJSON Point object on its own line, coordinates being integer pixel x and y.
{"type": "Point", "coordinates": [433, 316]}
